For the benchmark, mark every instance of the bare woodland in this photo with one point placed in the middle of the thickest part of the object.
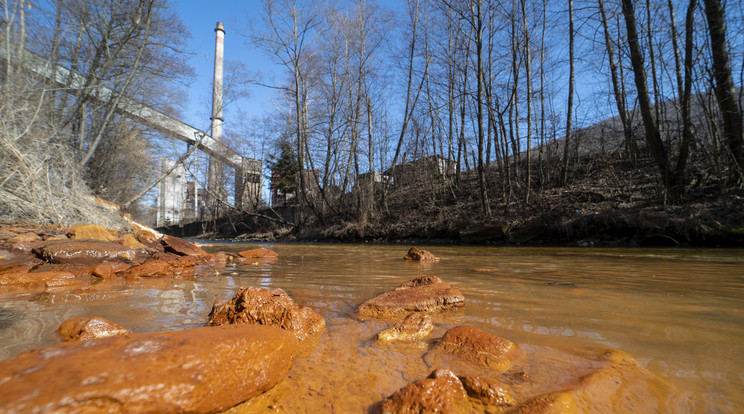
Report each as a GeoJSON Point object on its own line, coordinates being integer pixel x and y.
{"type": "Point", "coordinates": [463, 113]}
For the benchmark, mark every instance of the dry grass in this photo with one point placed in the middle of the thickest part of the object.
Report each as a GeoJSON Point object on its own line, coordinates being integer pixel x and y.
{"type": "Point", "coordinates": [40, 178]}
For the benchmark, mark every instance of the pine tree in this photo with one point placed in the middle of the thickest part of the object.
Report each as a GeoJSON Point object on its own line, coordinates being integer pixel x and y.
{"type": "Point", "coordinates": [283, 167]}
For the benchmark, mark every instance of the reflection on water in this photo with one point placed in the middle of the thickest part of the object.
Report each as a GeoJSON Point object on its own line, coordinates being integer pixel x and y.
{"type": "Point", "coordinates": [679, 313]}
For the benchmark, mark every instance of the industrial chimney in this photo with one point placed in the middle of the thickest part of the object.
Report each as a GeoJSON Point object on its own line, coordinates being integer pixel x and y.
{"type": "Point", "coordinates": [216, 169]}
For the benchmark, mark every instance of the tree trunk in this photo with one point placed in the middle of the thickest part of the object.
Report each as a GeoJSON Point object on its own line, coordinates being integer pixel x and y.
{"type": "Point", "coordinates": [616, 87]}
{"type": "Point", "coordinates": [725, 89]}
{"type": "Point", "coordinates": [569, 109]}
{"type": "Point", "coordinates": [653, 137]}
{"type": "Point", "coordinates": [479, 108]}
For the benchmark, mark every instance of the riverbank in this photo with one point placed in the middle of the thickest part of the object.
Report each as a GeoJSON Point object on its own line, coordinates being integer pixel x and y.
{"type": "Point", "coordinates": [610, 203]}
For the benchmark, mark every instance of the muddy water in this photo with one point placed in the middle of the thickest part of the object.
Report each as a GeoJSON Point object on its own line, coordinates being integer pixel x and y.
{"type": "Point", "coordinates": [679, 313]}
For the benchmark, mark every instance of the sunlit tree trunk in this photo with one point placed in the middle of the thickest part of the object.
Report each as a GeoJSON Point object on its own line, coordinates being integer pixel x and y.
{"type": "Point", "coordinates": [569, 109]}
{"type": "Point", "coordinates": [653, 136]}
{"type": "Point", "coordinates": [725, 88]}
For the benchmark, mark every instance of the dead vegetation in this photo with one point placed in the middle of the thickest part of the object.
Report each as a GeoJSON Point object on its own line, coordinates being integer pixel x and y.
{"type": "Point", "coordinates": [40, 180]}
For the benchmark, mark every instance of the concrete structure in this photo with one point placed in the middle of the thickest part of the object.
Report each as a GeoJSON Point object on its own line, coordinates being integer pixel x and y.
{"type": "Point", "coordinates": [376, 177]}
{"type": "Point", "coordinates": [421, 170]}
{"type": "Point", "coordinates": [171, 193]}
{"type": "Point", "coordinates": [217, 195]}
{"type": "Point", "coordinates": [193, 207]}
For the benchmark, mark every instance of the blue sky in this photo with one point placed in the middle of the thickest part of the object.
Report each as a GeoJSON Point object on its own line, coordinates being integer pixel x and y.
{"type": "Point", "coordinates": [201, 18]}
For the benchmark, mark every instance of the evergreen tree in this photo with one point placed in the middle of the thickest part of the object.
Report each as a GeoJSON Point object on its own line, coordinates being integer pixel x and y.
{"type": "Point", "coordinates": [283, 167]}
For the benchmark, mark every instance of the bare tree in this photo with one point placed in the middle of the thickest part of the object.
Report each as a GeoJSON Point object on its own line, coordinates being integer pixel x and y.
{"type": "Point", "coordinates": [653, 136]}
{"type": "Point", "coordinates": [290, 29]}
{"type": "Point", "coordinates": [725, 89]}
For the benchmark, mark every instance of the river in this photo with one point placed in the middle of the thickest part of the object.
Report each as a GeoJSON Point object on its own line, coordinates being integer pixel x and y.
{"type": "Point", "coordinates": [678, 312]}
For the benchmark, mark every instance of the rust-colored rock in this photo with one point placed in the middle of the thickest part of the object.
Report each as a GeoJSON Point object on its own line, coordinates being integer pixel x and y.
{"type": "Point", "coordinates": [221, 259]}
{"type": "Point", "coordinates": [270, 307]}
{"type": "Point", "coordinates": [130, 241]}
{"type": "Point", "coordinates": [487, 391]}
{"type": "Point", "coordinates": [615, 383]}
{"type": "Point", "coordinates": [178, 266]}
{"type": "Point", "coordinates": [181, 247]}
{"type": "Point", "coordinates": [260, 253]}
{"type": "Point", "coordinates": [107, 270]}
{"type": "Point", "coordinates": [16, 262]}
{"type": "Point", "coordinates": [420, 255]}
{"type": "Point", "coordinates": [150, 240]}
{"type": "Point", "coordinates": [423, 294]}
{"type": "Point", "coordinates": [479, 347]}
{"type": "Point", "coordinates": [414, 327]}
{"type": "Point", "coordinates": [25, 238]}
{"type": "Point", "coordinates": [420, 281]}
{"type": "Point", "coordinates": [91, 232]}
{"type": "Point", "coordinates": [201, 370]}
{"type": "Point", "coordinates": [441, 392]}
{"type": "Point", "coordinates": [85, 329]}
{"type": "Point", "coordinates": [552, 403]}
{"type": "Point", "coordinates": [77, 269]}
{"type": "Point", "coordinates": [36, 281]}
{"type": "Point", "coordinates": [90, 252]}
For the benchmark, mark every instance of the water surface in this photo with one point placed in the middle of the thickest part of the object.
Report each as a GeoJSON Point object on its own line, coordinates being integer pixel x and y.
{"type": "Point", "coordinates": [678, 312]}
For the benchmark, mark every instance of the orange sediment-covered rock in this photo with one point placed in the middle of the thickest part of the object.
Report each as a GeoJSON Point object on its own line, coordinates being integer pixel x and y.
{"type": "Point", "coordinates": [489, 392]}
{"type": "Point", "coordinates": [440, 392]}
{"type": "Point", "coordinates": [423, 294]}
{"type": "Point", "coordinates": [270, 307]}
{"type": "Point", "coordinates": [444, 392]}
{"type": "Point", "coordinates": [17, 262]}
{"type": "Point", "coordinates": [415, 326]}
{"type": "Point", "coordinates": [200, 370]}
{"type": "Point", "coordinates": [614, 383]}
{"type": "Point", "coordinates": [420, 255]}
{"type": "Point", "coordinates": [477, 346]}
{"type": "Point", "coordinates": [107, 270]}
{"type": "Point", "coordinates": [85, 329]}
{"type": "Point", "coordinates": [87, 252]}
{"type": "Point", "coordinates": [130, 240]}
{"type": "Point", "coordinates": [181, 247]}
{"type": "Point", "coordinates": [91, 232]}
{"type": "Point", "coordinates": [38, 281]}
{"type": "Point", "coordinates": [260, 253]}
{"type": "Point", "coordinates": [176, 266]}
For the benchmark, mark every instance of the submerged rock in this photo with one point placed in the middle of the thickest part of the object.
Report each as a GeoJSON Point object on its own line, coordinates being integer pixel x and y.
{"type": "Point", "coordinates": [420, 255]}
{"type": "Point", "coordinates": [37, 281]}
{"type": "Point", "coordinates": [176, 266]}
{"type": "Point", "coordinates": [441, 392]}
{"type": "Point", "coordinates": [199, 370]}
{"type": "Point", "coordinates": [415, 326]}
{"type": "Point", "coordinates": [85, 329]}
{"type": "Point", "coordinates": [614, 383]}
{"type": "Point", "coordinates": [423, 294]}
{"type": "Point", "coordinates": [269, 307]}
{"type": "Point", "coordinates": [260, 253]}
{"type": "Point", "coordinates": [489, 392]}
{"type": "Point", "coordinates": [476, 346]}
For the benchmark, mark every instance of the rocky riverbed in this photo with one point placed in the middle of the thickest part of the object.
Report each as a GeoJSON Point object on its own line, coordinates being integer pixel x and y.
{"type": "Point", "coordinates": [249, 344]}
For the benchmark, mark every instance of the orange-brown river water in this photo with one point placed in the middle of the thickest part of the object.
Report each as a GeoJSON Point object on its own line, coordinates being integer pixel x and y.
{"type": "Point", "coordinates": [678, 312]}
